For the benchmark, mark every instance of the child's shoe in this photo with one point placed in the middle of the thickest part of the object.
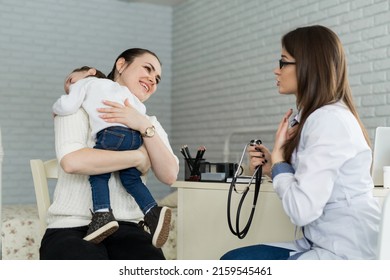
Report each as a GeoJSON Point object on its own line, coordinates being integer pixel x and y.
{"type": "Point", "coordinates": [158, 220]}
{"type": "Point", "coordinates": [103, 224]}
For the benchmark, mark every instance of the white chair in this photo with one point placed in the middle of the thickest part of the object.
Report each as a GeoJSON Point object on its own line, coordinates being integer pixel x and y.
{"type": "Point", "coordinates": [384, 232]}
{"type": "Point", "coordinates": [41, 172]}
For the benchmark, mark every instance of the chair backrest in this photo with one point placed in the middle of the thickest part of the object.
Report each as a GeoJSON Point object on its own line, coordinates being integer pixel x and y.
{"type": "Point", "coordinates": [41, 171]}
{"type": "Point", "coordinates": [384, 232]}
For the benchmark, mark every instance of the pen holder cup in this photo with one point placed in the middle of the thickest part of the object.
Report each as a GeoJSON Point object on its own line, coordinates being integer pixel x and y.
{"type": "Point", "coordinates": [192, 170]}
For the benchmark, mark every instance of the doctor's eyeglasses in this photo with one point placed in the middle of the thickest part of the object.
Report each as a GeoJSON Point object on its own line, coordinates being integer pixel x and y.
{"type": "Point", "coordinates": [283, 63]}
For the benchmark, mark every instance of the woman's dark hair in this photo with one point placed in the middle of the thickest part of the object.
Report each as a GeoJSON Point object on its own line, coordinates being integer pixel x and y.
{"type": "Point", "coordinates": [98, 74]}
{"type": "Point", "coordinates": [129, 55]}
{"type": "Point", "coordinates": [321, 71]}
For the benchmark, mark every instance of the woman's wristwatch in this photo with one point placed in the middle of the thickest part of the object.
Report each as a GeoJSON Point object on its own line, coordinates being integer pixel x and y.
{"type": "Point", "coordinates": [149, 132]}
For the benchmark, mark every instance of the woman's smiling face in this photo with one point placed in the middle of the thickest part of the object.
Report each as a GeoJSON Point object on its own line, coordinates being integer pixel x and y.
{"type": "Point", "coordinates": [141, 76]}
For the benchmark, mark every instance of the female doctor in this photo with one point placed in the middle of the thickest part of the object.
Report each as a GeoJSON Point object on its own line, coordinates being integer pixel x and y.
{"type": "Point", "coordinates": [320, 163]}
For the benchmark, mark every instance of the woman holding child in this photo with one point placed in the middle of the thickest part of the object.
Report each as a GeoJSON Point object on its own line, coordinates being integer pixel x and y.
{"type": "Point", "coordinates": [69, 214]}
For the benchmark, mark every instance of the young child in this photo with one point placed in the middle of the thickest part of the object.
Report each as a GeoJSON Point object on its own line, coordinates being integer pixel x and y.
{"type": "Point", "coordinates": [87, 87]}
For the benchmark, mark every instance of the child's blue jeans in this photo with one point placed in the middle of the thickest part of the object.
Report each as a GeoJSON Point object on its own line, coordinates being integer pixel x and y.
{"type": "Point", "coordinates": [118, 138]}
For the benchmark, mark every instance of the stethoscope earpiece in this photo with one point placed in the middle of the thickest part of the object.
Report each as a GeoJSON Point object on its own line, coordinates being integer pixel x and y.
{"type": "Point", "coordinates": [255, 142]}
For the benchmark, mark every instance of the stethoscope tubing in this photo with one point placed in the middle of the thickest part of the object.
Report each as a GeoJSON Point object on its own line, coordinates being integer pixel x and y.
{"type": "Point", "coordinates": [257, 176]}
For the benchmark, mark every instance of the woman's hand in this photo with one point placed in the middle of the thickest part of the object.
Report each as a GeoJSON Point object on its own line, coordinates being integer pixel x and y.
{"type": "Point", "coordinates": [160, 158]}
{"type": "Point", "coordinates": [145, 164]}
{"type": "Point", "coordinates": [259, 155]}
{"type": "Point", "coordinates": [126, 115]}
{"type": "Point", "coordinates": [282, 134]}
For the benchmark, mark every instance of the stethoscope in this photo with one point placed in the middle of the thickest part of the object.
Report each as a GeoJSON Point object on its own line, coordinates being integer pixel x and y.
{"type": "Point", "coordinates": [257, 177]}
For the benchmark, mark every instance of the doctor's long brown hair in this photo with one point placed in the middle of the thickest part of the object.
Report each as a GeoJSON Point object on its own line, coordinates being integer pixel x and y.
{"type": "Point", "coordinates": [321, 75]}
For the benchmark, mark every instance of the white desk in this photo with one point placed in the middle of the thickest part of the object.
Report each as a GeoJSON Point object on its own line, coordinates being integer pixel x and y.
{"type": "Point", "coordinates": [202, 228]}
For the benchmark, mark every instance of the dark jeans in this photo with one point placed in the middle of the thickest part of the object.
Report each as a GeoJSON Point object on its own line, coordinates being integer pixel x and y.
{"type": "Point", "coordinates": [129, 242]}
{"type": "Point", "coordinates": [118, 138]}
{"type": "Point", "coordinates": [258, 252]}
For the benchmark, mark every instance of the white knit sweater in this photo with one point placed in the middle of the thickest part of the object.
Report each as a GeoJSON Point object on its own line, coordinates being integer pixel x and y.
{"type": "Point", "coordinates": [72, 196]}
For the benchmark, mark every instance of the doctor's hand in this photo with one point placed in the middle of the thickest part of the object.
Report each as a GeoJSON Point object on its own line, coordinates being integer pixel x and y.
{"type": "Point", "coordinates": [259, 155]}
{"type": "Point", "coordinates": [282, 135]}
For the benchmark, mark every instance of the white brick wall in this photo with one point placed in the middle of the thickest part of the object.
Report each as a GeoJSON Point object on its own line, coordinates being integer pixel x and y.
{"type": "Point", "coordinates": [222, 54]}
{"type": "Point", "coordinates": [225, 52]}
{"type": "Point", "coordinates": [41, 41]}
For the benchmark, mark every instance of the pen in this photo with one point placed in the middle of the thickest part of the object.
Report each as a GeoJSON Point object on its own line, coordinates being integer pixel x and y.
{"type": "Point", "coordinates": [199, 157]}
{"type": "Point", "coordinates": [202, 152]}
{"type": "Point", "coordinates": [185, 152]}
